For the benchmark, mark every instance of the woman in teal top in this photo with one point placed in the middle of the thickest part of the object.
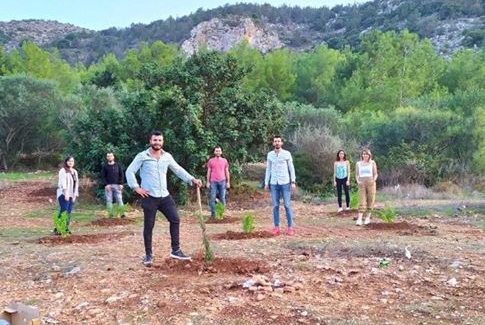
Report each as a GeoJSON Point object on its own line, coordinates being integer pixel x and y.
{"type": "Point", "coordinates": [341, 179]}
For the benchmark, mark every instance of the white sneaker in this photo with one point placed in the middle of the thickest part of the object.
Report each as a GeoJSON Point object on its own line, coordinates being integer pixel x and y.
{"type": "Point", "coordinates": [340, 210]}
{"type": "Point", "coordinates": [367, 220]}
{"type": "Point", "coordinates": [347, 208]}
{"type": "Point", "coordinates": [359, 222]}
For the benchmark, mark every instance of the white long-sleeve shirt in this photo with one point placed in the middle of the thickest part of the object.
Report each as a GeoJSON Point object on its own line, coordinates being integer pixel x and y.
{"type": "Point", "coordinates": [279, 168]}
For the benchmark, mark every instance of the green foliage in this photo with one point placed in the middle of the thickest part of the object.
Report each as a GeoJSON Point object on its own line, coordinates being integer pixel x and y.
{"type": "Point", "coordinates": [61, 223]}
{"type": "Point", "coordinates": [354, 200]}
{"type": "Point", "coordinates": [28, 118]}
{"type": "Point", "coordinates": [116, 210]}
{"type": "Point", "coordinates": [220, 209]}
{"type": "Point", "coordinates": [388, 214]}
{"type": "Point", "coordinates": [248, 223]}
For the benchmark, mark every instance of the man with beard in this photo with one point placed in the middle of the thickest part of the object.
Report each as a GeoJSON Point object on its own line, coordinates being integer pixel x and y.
{"type": "Point", "coordinates": [113, 178]}
{"type": "Point", "coordinates": [280, 177]}
{"type": "Point", "coordinates": [218, 179]}
{"type": "Point", "coordinates": [153, 165]}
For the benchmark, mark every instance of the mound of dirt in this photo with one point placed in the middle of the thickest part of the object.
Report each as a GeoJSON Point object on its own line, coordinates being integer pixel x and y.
{"type": "Point", "coordinates": [78, 239]}
{"type": "Point", "coordinates": [233, 235]}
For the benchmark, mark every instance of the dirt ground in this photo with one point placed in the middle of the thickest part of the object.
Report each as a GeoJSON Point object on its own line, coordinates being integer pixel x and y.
{"type": "Point", "coordinates": [330, 272]}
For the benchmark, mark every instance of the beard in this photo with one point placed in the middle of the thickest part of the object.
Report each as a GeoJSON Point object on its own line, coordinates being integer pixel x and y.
{"type": "Point", "coordinates": [156, 147]}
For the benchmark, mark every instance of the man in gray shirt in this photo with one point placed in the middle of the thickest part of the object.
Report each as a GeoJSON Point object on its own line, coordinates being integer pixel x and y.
{"type": "Point", "coordinates": [280, 177]}
{"type": "Point", "coordinates": [153, 165]}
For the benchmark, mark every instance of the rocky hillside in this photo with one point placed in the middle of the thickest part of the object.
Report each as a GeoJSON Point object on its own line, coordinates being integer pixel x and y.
{"type": "Point", "coordinates": [40, 32]}
{"type": "Point", "coordinates": [449, 24]}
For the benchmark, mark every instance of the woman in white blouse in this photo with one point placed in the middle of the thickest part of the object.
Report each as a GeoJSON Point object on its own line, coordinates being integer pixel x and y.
{"type": "Point", "coordinates": [366, 176]}
{"type": "Point", "coordinates": [67, 190]}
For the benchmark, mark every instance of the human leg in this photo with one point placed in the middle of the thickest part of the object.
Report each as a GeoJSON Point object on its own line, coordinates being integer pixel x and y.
{"type": "Point", "coordinates": [338, 182]}
{"type": "Point", "coordinates": [222, 191]}
{"type": "Point", "coordinates": [118, 195]}
{"type": "Point", "coordinates": [108, 194]}
{"type": "Point", "coordinates": [212, 199]}
{"type": "Point", "coordinates": [286, 190]}
{"type": "Point", "coordinates": [275, 198]}
{"type": "Point", "coordinates": [347, 195]}
{"type": "Point", "coordinates": [169, 210]}
{"type": "Point", "coordinates": [149, 205]}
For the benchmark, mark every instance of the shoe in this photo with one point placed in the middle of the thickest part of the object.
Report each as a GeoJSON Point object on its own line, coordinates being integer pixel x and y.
{"type": "Point", "coordinates": [367, 220]}
{"type": "Point", "coordinates": [290, 231]}
{"type": "Point", "coordinates": [148, 260]}
{"type": "Point", "coordinates": [275, 231]}
{"type": "Point", "coordinates": [340, 210]}
{"type": "Point", "coordinates": [178, 254]}
{"type": "Point", "coordinates": [359, 221]}
{"type": "Point", "coordinates": [347, 209]}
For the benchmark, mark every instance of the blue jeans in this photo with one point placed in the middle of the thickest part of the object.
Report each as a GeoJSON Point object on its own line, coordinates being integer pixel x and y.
{"type": "Point", "coordinates": [276, 192]}
{"type": "Point", "coordinates": [217, 187]}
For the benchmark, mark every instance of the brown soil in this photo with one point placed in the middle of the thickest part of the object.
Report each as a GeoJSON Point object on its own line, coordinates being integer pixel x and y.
{"type": "Point", "coordinates": [330, 272]}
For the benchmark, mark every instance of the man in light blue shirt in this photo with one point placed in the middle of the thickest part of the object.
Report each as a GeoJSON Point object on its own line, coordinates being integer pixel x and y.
{"type": "Point", "coordinates": [280, 177]}
{"type": "Point", "coordinates": [153, 165]}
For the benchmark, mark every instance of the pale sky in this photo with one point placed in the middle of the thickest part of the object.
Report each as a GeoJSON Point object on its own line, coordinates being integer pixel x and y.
{"type": "Point", "coordinates": [103, 14]}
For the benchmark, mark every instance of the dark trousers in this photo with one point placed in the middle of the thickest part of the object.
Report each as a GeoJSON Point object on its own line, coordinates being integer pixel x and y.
{"type": "Point", "coordinates": [342, 183]}
{"type": "Point", "coordinates": [166, 206]}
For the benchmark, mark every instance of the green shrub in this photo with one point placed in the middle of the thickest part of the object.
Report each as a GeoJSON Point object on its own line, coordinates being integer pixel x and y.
{"type": "Point", "coordinates": [354, 200]}
{"type": "Point", "coordinates": [387, 215]}
{"type": "Point", "coordinates": [220, 209]}
{"type": "Point", "coordinates": [60, 223]}
{"type": "Point", "coordinates": [248, 223]}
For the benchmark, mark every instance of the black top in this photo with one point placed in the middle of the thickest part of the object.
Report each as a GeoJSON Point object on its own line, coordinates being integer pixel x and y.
{"type": "Point", "coordinates": [112, 174]}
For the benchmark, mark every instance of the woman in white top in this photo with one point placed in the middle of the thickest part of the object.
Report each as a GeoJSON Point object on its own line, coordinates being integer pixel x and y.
{"type": "Point", "coordinates": [366, 176]}
{"type": "Point", "coordinates": [341, 179]}
{"type": "Point", "coordinates": [67, 190]}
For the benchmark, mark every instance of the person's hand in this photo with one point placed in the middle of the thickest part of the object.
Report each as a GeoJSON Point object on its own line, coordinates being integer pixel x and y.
{"type": "Point", "coordinates": [121, 187]}
{"type": "Point", "coordinates": [266, 187]}
{"type": "Point", "coordinates": [142, 192]}
{"type": "Point", "coordinates": [228, 185]}
{"type": "Point", "coordinates": [197, 182]}
{"type": "Point", "coordinates": [293, 187]}
{"type": "Point", "coordinates": [208, 185]}
{"type": "Point", "coordinates": [348, 183]}
{"type": "Point", "coordinates": [334, 183]}
{"type": "Point", "coordinates": [107, 187]}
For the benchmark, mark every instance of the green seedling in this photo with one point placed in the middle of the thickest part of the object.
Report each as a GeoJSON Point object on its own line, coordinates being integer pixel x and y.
{"type": "Point", "coordinates": [248, 223]}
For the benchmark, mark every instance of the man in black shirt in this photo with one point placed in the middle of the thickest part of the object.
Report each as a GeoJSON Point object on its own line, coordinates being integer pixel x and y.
{"type": "Point", "coordinates": [113, 178]}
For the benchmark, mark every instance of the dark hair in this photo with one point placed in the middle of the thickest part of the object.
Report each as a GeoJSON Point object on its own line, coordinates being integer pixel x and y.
{"type": "Point", "coordinates": [157, 133]}
{"type": "Point", "coordinates": [64, 165]}
{"type": "Point", "coordinates": [213, 149]}
{"type": "Point", "coordinates": [277, 136]}
{"type": "Point", "coordinates": [338, 158]}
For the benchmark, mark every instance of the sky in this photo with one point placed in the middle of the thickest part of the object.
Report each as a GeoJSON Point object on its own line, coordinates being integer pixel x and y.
{"type": "Point", "coordinates": [103, 14]}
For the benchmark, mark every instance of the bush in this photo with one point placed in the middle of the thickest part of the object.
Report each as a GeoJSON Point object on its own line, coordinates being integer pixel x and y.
{"type": "Point", "coordinates": [248, 223]}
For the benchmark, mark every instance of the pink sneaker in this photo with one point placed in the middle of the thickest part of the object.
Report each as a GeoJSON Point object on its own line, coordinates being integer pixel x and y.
{"type": "Point", "coordinates": [275, 231]}
{"type": "Point", "coordinates": [290, 231]}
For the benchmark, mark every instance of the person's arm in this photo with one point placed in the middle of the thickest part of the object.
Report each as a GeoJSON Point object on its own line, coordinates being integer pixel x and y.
{"type": "Point", "coordinates": [208, 176]}
{"type": "Point", "coordinates": [62, 183]}
{"type": "Point", "coordinates": [228, 176]}
{"type": "Point", "coordinates": [348, 172]}
{"type": "Point", "coordinates": [180, 171]}
{"type": "Point", "coordinates": [374, 170]}
{"type": "Point", "coordinates": [76, 186]}
{"type": "Point", "coordinates": [131, 172]}
{"type": "Point", "coordinates": [121, 176]}
{"type": "Point", "coordinates": [291, 170]}
{"type": "Point", "coordinates": [268, 172]}
{"type": "Point", "coordinates": [104, 177]}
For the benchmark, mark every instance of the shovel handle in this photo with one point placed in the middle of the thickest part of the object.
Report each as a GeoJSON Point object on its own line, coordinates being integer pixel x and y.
{"type": "Point", "coordinates": [199, 201]}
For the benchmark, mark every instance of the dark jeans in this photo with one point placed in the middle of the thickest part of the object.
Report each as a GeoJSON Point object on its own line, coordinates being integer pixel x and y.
{"type": "Point", "coordinates": [65, 206]}
{"type": "Point", "coordinates": [342, 183]}
{"type": "Point", "coordinates": [166, 206]}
